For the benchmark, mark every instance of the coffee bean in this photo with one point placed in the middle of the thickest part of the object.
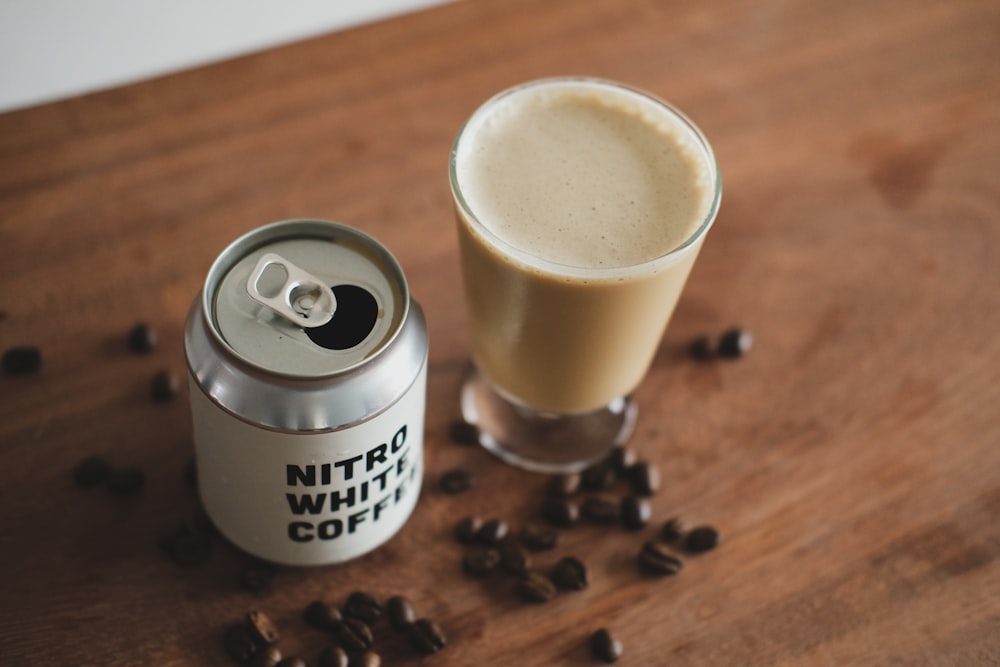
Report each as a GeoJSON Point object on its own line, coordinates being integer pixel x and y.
{"type": "Point", "coordinates": [262, 626]}
{"type": "Point", "coordinates": [457, 480]}
{"type": "Point", "coordinates": [258, 577]}
{"type": "Point", "coordinates": [735, 343]}
{"type": "Point", "coordinates": [363, 606]}
{"type": "Point", "coordinates": [622, 458]}
{"type": "Point", "coordinates": [142, 338]}
{"type": "Point", "coordinates": [536, 587]}
{"type": "Point", "coordinates": [492, 532]}
{"type": "Point", "coordinates": [635, 512]}
{"type": "Point", "coordinates": [401, 613]}
{"type": "Point", "coordinates": [91, 471]}
{"type": "Point", "coordinates": [563, 486]}
{"type": "Point", "coordinates": [600, 509]}
{"type": "Point", "coordinates": [268, 656]}
{"type": "Point", "coordinates": [354, 635]}
{"type": "Point", "coordinates": [464, 433]}
{"type": "Point", "coordinates": [700, 348]}
{"type": "Point", "coordinates": [672, 530]}
{"type": "Point", "coordinates": [513, 557]}
{"type": "Point", "coordinates": [701, 539]}
{"type": "Point", "coordinates": [644, 478]}
{"type": "Point", "coordinates": [427, 636]}
{"type": "Point", "coordinates": [657, 558]}
{"type": "Point", "coordinates": [366, 659]}
{"type": "Point", "coordinates": [605, 647]}
{"type": "Point", "coordinates": [22, 360]}
{"type": "Point", "coordinates": [538, 537]}
{"type": "Point", "coordinates": [570, 574]}
{"type": "Point", "coordinates": [125, 481]}
{"type": "Point", "coordinates": [333, 656]}
{"type": "Point", "coordinates": [481, 561]}
{"type": "Point", "coordinates": [239, 642]}
{"type": "Point", "coordinates": [186, 545]}
{"type": "Point", "coordinates": [292, 661]}
{"type": "Point", "coordinates": [322, 616]}
{"type": "Point", "coordinates": [164, 387]}
{"type": "Point", "coordinates": [190, 473]}
{"type": "Point", "coordinates": [598, 476]}
{"type": "Point", "coordinates": [560, 512]}
{"type": "Point", "coordinates": [467, 529]}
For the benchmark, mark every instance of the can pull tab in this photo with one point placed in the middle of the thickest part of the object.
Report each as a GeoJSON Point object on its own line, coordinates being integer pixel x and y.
{"type": "Point", "coordinates": [302, 299]}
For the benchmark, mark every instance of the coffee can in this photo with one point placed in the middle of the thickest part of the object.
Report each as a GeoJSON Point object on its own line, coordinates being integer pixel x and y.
{"type": "Point", "coordinates": [307, 362]}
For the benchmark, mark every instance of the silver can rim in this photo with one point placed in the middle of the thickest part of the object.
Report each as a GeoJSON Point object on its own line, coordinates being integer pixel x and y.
{"type": "Point", "coordinates": [306, 227]}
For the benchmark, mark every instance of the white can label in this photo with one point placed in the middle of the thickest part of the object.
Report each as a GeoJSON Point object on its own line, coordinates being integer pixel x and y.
{"type": "Point", "coordinates": [310, 499]}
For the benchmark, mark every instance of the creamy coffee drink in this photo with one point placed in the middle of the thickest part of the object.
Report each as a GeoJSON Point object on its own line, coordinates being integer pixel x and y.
{"type": "Point", "coordinates": [581, 208]}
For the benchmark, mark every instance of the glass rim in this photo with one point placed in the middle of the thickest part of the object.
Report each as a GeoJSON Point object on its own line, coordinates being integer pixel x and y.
{"type": "Point", "coordinates": [541, 263]}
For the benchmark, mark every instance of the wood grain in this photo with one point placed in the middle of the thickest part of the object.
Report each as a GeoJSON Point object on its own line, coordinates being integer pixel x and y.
{"type": "Point", "coordinates": [850, 461]}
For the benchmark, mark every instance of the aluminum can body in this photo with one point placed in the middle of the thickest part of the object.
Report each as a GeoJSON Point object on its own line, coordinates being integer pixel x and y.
{"type": "Point", "coordinates": [307, 361]}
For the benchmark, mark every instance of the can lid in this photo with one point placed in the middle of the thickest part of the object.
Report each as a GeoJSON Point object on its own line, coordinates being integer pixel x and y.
{"type": "Point", "coordinates": [305, 298]}
{"type": "Point", "coordinates": [265, 368]}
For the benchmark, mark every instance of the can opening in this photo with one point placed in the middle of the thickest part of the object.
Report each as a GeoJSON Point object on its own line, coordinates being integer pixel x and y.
{"type": "Point", "coordinates": [356, 315]}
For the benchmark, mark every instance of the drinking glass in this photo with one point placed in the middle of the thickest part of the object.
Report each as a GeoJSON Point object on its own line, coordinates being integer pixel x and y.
{"type": "Point", "coordinates": [581, 206]}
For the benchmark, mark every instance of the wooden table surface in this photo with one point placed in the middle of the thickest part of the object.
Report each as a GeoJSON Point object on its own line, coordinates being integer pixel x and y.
{"type": "Point", "coordinates": [851, 460]}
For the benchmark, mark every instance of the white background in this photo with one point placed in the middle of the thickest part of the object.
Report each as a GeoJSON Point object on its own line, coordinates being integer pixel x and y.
{"type": "Point", "coordinates": [52, 49]}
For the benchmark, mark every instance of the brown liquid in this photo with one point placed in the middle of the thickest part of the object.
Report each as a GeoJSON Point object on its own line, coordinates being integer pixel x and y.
{"type": "Point", "coordinates": [581, 193]}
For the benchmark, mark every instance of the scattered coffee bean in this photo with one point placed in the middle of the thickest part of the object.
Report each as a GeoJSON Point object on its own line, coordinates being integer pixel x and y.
{"type": "Point", "coordinates": [492, 532]}
{"type": "Point", "coordinates": [536, 587]}
{"type": "Point", "coordinates": [622, 458]}
{"type": "Point", "coordinates": [91, 471]}
{"type": "Point", "coordinates": [164, 387]}
{"type": "Point", "coordinates": [635, 512]}
{"type": "Point", "coordinates": [354, 635]}
{"type": "Point", "coordinates": [333, 656]}
{"type": "Point", "coordinates": [657, 558]}
{"type": "Point", "coordinates": [269, 656]}
{"type": "Point", "coordinates": [538, 537]}
{"type": "Point", "coordinates": [598, 476]}
{"type": "Point", "coordinates": [735, 343]}
{"type": "Point", "coordinates": [125, 481]}
{"type": "Point", "coordinates": [292, 661]}
{"type": "Point", "coordinates": [401, 613]}
{"type": "Point", "coordinates": [600, 509]}
{"type": "Point", "coordinates": [364, 607]}
{"type": "Point", "coordinates": [366, 659]}
{"type": "Point", "coordinates": [258, 577]}
{"type": "Point", "coordinates": [456, 480]}
{"type": "Point", "coordinates": [700, 348]}
{"type": "Point", "coordinates": [605, 647]}
{"type": "Point", "coordinates": [190, 473]}
{"type": "Point", "coordinates": [322, 616]}
{"type": "Point", "coordinates": [186, 545]}
{"type": "Point", "coordinates": [262, 626]}
{"type": "Point", "coordinates": [513, 557]}
{"type": "Point", "coordinates": [560, 512]}
{"type": "Point", "coordinates": [481, 561]}
{"type": "Point", "coordinates": [467, 529]}
{"type": "Point", "coordinates": [701, 539]}
{"type": "Point", "coordinates": [570, 574]}
{"type": "Point", "coordinates": [427, 636]}
{"type": "Point", "coordinates": [22, 360]}
{"type": "Point", "coordinates": [644, 478]}
{"type": "Point", "coordinates": [672, 530]}
{"type": "Point", "coordinates": [563, 486]}
{"type": "Point", "coordinates": [464, 433]}
{"type": "Point", "coordinates": [239, 642]}
{"type": "Point", "coordinates": [142, 338]}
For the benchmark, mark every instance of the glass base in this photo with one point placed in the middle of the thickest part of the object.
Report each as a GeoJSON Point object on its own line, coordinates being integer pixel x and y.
{"type": "Point", "coordinates": [545, 443]}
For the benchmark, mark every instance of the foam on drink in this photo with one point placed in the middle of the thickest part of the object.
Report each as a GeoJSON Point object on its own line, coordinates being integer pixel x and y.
{"type": "Point", "coordinates": [584, 178]}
